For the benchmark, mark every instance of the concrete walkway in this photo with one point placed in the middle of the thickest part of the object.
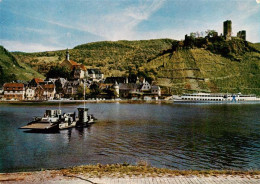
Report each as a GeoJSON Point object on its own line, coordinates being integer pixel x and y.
{"type": "Point", "coordinates": [47, 177]}
{"type": "Point", "coordinates": [169, 180]}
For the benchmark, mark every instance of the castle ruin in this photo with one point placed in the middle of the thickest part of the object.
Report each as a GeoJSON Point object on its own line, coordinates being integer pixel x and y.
{"type": "Point", "coordinates": [242, 34]}
{"type": "Point", "coordinates": [227, 29]}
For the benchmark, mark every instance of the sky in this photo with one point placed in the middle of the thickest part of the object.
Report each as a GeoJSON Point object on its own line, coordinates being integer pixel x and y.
{"type": "Point", "coordinates": [45, 25]}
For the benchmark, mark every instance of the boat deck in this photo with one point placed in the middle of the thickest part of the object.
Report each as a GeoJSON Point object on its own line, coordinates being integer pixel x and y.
{"type": "Point", "coordinates": [39, 126]}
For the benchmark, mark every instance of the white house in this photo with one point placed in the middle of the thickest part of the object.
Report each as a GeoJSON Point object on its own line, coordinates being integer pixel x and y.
{"type": "Point", "coordinates": [95, 74]}
{"type": "Point", "coordinates": [146, 86]}
{"type": "Point", "coordinates": [29, 93]}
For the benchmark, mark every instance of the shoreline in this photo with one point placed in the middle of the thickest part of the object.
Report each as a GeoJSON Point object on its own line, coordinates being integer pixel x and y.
{"type": "Point", "coordinates": [124, 173]}
{"type": "Point", "coordinates": [124, 101]}
{"type": "Point", "coordinates": [50, 102]}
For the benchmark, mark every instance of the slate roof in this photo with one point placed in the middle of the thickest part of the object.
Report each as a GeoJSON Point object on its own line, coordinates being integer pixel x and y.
{"type": "Point", "coordinates": [94, 71]}
{"type": "Point", "coordinates": [129, 86]}
{"type": "Point", "coordinates": [112, 80]}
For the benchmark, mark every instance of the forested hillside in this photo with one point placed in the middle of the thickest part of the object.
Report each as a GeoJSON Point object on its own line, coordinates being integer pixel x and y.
{"type": "Point", "coordinates": [202, 64]}
{"type": "Point", "coordinates": [11, 69]}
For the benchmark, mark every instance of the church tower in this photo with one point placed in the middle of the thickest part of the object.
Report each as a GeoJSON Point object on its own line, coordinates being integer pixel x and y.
{"type": "Point", "coordinates": [67, 55]}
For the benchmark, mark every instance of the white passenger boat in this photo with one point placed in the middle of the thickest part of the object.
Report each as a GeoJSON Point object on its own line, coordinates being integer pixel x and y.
{"type": "Point", "coordinates": [214, 98]}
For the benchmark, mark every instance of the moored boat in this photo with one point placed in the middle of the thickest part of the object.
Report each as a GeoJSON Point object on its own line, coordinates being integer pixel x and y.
{"type": "Point", "coordinates": [55, 120]}
{"type": "Point", "coordinates": [49, 121]}
{"type": "Point", "coordinates": [214, 98]}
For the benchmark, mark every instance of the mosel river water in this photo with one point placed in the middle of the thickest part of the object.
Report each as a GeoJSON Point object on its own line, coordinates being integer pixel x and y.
{"type": "Point", "coordinates": [223, 136]}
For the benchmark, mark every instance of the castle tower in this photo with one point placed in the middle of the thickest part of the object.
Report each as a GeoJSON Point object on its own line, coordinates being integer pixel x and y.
{"type": "Point", "coordinates": [67, 55]}
{"type": "Point", "coordinates": [242, 34]}
{"type": "Point", "coordinates": [227, 29]}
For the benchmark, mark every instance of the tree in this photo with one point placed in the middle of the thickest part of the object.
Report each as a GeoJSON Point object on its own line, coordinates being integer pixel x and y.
{"type": "Point", "coordinates": [94, 89]}
{"type": "Point", "coordinates": [80, 92]}
{"type": "Point", "coordinates": [4, 77]}
{"type": "Point", "coordinates": [211, 33]}
{"type": "Point", "coordinates": [111, 92]}
{"type": "Point", "coordinates": [58, 71]}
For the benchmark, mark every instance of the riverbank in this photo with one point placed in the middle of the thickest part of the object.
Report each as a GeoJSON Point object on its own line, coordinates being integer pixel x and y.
{"type": "Point", "coordinates": [55, 102]}
{"type": "Point", "coordinates": [123, 173]}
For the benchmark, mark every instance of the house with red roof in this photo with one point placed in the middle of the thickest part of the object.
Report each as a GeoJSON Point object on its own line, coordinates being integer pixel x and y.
{"type": "Point", "coordinates": [45, 92]}
{"type": "Point", "coordinates": [79, 70]}
{"type": "Point", "coordinates": [14, 91]}
{"type": "Point", "coordinates": [35, 82]}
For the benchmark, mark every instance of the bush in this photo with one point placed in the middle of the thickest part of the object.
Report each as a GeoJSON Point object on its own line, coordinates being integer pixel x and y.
{"type": "Point", "coordinates": [58, 71]}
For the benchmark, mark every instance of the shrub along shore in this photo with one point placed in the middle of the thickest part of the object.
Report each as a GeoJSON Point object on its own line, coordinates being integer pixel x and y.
{"type": "Point", "coordinates": [142, 169]}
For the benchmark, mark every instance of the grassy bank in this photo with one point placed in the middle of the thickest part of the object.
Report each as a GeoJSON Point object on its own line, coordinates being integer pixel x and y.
{"type": "Point", "coordinates": [144, 170]}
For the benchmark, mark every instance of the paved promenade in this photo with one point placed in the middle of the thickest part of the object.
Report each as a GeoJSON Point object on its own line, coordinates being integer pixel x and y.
{"type": "Point", "coordinates": [47, 177]}
{"type": "Point", "coordinates": [170, 180]}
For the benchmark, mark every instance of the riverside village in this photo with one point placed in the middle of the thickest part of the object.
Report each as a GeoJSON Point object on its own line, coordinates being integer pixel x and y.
{"type": "Point", "coordinates": [100, 87]}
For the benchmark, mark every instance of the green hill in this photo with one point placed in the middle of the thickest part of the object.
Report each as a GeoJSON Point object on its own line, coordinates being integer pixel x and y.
{"type": "Point", "coordinates": [217, 66]}
{"type": "Point", "coordinates": [112, 57]}
{"type": "Point", "coordinates": [11, 69]}
{"type": "Point", "coordinates": [202, 64]}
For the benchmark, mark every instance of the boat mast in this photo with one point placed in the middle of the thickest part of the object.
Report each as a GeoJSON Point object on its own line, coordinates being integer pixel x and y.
{"type": "Point", "coordinates": [84, 95]}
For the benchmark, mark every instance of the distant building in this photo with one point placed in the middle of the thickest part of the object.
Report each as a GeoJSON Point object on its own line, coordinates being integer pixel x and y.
{"type": "Point", "coordinates": [156, 90]}
{"type": "Point", "coordinates": [129, 89]}
{"type": "Point", "coordinates": [29, 93]}
{"type": "Point", "coordinates": [146, 86]}
{"type": "Point", "coordinates": [45, 92]}
{"type": "Point", "coordinates": [49, 91]}
{"type": "Point", "coordinates": [1, 93]}
{"type": "Point", "coordinates": [227, 29]}
{"type": "Point", "coordinates": [143, 88]}
{"type": "Point", "coordinates": [116, 87]}
{"type": "Point", "coordinates": [71, 87]}
{"type": "Point", "coordinates": [79, 70]}
{"type": "Point", "coordinates": [35, 82]}
{"type": "Point", "coordinates": [113, 80]}
{"type": "Point", "coordinates": [242, 34]}
{"type": "Point", "coordinates": [95, 74]}
{"type": "Point", "coordinates": [59, 87]}
{"type": "Point", "coordinates": [14, 91]}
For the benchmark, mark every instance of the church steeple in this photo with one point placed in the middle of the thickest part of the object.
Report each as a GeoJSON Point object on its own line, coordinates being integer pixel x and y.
{"type": "Point", "coordinates": [67, 55]}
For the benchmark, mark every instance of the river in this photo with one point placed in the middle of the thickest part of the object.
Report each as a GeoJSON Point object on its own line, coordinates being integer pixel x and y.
{"type": "Point", "coordinates": [222, 136]}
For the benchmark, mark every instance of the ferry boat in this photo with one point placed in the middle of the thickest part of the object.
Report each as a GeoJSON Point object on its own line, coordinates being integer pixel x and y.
{"type": "Point", "coordinates": [214, 97]}
{"type": "Point", "coordinates": [49, 121]}
{"type": "Point", "coordinates": [54, 120]}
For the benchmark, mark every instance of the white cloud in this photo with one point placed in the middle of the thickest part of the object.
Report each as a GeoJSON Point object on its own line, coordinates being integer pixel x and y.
{"type": "Point", "coordinates": [27, 47]}
{"type": "Point", "coordinates": [121, 24]}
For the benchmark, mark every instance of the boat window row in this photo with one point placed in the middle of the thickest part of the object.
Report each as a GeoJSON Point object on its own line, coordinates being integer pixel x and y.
{"type": "Point", "coordinates": [204, 95]}
{"type": "Point", "coordinates": [203, 99]}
